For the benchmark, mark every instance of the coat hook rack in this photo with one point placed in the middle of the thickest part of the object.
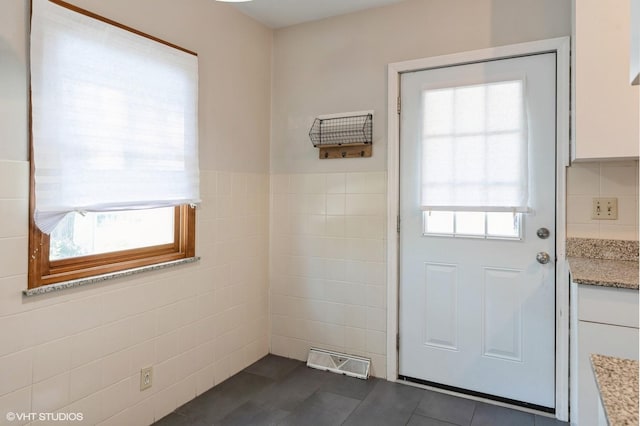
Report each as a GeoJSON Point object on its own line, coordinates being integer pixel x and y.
{"type": "Point", "coordinates": [344, 135]}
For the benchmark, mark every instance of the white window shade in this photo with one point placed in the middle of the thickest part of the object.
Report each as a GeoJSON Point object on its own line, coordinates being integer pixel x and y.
{"type": "Point", "coordinates": [474, 148]}
{"type": "Point", "coordinates": [114, 118]}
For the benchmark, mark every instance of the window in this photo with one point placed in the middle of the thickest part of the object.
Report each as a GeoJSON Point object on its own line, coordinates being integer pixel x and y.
{"type": "Point", "coordinates": [474, 148]}
{"type": "Point", "coordinates": [114, 158]}
{"type": "Point", "coordinates": [96, 233]}
{"type": "Point", "coordinates": [488, 225]}
{"type": "Point", "coordinates": [82, 247]}
{"type": "Point", "coordinates": [475, 160]}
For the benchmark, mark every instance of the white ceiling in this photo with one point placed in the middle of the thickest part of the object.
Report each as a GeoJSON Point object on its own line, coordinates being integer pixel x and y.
{"type": "Point", "coordinates": [283, 13]}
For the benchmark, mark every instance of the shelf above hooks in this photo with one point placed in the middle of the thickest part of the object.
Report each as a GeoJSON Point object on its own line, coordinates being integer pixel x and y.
{"type": "Point", "coordinates": [345, 135]}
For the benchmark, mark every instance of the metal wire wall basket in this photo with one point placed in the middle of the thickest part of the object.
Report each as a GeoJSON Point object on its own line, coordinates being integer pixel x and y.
{"type": "Point", "coordinates": [338, 131]}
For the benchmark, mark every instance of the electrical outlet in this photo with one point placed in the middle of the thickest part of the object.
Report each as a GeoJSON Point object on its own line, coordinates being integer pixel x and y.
{"type": "Point", "coordinates": [605, 209]}
{"type": "Point", "coordinates": [146, 378]}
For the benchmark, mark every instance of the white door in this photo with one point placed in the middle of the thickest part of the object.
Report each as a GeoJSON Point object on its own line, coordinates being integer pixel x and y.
{"type": "Point", "coordinates": [477, 181]}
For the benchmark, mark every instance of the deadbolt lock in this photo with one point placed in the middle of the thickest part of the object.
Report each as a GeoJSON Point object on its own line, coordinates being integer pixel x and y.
{"type": "Point", "coordinates": [543, 233]}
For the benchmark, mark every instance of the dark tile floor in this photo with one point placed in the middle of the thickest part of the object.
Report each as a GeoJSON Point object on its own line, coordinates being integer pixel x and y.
{"type": "Point", "coordinates": [281, 391]}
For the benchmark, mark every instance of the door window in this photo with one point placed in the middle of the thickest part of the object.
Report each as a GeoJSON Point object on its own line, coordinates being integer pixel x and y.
{"type": "Point", "coordinates": [489, 225]}
{"type": "Point", "coordinates": [475, 150]}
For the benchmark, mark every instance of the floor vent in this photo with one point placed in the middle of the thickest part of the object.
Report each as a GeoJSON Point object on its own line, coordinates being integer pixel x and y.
{"type": "Point", "coordinates": [335, 362]}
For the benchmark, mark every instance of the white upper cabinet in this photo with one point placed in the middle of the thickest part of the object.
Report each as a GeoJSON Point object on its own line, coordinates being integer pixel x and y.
{"type": "Point", "coordinates": [606, 106]}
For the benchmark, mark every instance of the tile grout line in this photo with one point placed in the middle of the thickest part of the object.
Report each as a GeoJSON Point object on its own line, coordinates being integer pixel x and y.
{"type": "Point", "coordinates": [475, 407]}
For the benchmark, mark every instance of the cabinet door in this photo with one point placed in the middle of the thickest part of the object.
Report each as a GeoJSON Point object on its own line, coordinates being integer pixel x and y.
{"type": "Point", "coordinates": [606, 105]}
{"type": "Point", "coordinates": [595, 338]}
{"type": "Point", "coordinates": [608, 305]}
{"type": "Point", "coordinates": [602, 418]}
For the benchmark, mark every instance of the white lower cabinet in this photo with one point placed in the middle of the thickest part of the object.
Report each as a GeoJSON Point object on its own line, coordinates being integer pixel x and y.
{"type": "Point", "coordinates": [602, 418]}
{"type": "Point", "coordinates": [604, 321]}
{"type": "Point", "coordinates": [604, 339]}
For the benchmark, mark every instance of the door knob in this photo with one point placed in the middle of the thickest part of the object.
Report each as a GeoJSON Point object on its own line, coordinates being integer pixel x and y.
{"type": "Point", "coordinates": [543, 257]}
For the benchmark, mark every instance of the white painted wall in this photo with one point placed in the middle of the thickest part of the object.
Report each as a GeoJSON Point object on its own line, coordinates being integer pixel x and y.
{"type": "Point", "coordinates": [602, 179]}
{"type": "Point", "coordinates": [340, 64]}
{"type": "Point", "coordinates": [81, 350]}
{"type": "Point", "coordinates": [13, 80]}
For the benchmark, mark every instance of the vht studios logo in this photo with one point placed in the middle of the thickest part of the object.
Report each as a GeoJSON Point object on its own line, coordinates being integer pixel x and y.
{"type": "Point", "coordinates": [48, 417]}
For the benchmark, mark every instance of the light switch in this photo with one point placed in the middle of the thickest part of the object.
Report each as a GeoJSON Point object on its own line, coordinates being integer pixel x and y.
{"type": "Point", "coordinates": [605, 209]}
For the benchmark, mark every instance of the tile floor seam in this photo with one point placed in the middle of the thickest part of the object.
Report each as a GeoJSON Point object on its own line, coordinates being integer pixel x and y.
{"type": "Point", "coordinates": [475, 407]}
{"type": "Point", "coordinates": [352, 411]}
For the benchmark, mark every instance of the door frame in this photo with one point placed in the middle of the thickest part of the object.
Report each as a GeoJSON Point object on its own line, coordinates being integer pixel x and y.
{"type": "Point", "coordinates": [559, 46]}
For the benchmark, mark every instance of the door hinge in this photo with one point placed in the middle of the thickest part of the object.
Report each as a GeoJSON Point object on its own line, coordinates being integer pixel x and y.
{"type": "Point", "coordinates": [398, 224]}
{"type": "Point", "coordinates": [399, 105]}
{"type": "Point", "coordinates": [398, 341]}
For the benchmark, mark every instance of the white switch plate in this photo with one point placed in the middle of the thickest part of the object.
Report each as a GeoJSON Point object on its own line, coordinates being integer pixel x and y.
{"type": "Point", "coordinates": [605, 209]}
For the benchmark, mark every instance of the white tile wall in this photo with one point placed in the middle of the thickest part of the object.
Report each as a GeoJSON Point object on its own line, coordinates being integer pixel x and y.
{"type": "Point", "coordinates": [603, 179]}
{"type": "Point", "coordinates": [328, 270]}
{"type": "Point", "coordinates": [81, 350]}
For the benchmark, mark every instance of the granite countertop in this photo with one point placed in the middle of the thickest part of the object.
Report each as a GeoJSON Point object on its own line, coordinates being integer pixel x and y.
{"type": "Point", "coordinates": [606, 263]}
{"type": "Point", "coordinates": [617, 380]}
{"type": "Point", "coordinates": [605, 273]}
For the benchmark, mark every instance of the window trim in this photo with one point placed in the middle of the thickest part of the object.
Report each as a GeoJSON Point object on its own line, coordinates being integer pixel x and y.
{"type": "Point", "coordinates": [119, 25]}
{"type": "Point", "coordinates": [43, 272]}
